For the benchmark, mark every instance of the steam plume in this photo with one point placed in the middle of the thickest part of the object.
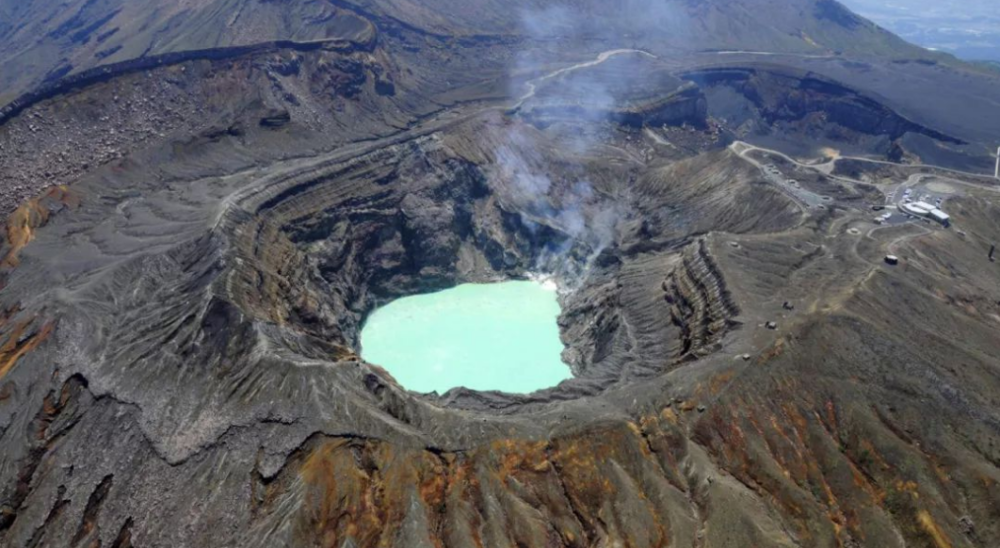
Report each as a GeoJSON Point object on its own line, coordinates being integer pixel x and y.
{"type": "Point", "coordinates": [589, 221]}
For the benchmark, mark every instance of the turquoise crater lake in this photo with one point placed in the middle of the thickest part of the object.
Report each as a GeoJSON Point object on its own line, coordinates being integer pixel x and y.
{"type": "Point", "coordinates": [500, 336]}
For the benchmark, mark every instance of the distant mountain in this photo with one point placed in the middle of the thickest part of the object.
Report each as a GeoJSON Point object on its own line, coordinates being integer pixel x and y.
{"type": "Point", "coordinates": [39, 44]}
{"type": "Point", "coordinates": [968, 29]}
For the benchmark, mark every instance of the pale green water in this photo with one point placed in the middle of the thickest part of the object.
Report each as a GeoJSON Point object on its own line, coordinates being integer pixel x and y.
{"type": "Point", "coordinates": [500, 336]}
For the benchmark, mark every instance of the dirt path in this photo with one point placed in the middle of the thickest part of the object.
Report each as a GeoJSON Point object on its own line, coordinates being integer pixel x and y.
{"type": "Point", "coordinates": [533, 84]}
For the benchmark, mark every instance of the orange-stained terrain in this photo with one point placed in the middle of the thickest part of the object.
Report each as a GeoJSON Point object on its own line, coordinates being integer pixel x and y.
{"type": "Point", "coordinates": [197, 229]}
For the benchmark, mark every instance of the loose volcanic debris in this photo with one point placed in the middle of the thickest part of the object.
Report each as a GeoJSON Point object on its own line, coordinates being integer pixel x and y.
{"type": "Point", "coordinates": [192, 248]}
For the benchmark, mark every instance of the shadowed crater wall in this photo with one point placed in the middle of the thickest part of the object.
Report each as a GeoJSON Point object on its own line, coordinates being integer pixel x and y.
{"type": "Point", "coordinates": [179, 313]}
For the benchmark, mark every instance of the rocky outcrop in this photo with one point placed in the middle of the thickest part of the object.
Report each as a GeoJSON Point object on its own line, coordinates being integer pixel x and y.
{"type": "Point", "coordinates": [686, 105]}
{"type": "Point", "coordinates": [782, 95]}
{"type": "Point", "coordinates": [701, 305]}
{"type": "Point", "coordinates": [104, 73]}
{"type": "Point", "coordinates": [181, 98]}
{"type": "Point", "coordinates": [633, 89]}
{"type": "Point", "coordinates": [21, 225]}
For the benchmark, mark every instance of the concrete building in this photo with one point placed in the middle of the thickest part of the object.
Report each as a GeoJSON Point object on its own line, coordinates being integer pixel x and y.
{"type": "Point", "coordinates": [924, 209]}
{"type": "Point", "coordinates": [941, 217]}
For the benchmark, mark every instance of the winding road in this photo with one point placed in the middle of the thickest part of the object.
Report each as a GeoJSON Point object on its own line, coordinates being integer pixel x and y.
{"type": "Point", "coordinates": [532, 85]}
{"type": "Point", "coordinates": [773, 54]}
{"type": "Point", "coordinates": [823, 167]}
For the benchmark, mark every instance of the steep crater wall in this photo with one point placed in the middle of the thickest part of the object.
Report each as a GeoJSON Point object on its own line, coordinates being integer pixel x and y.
{"type": "Point", "coordinates": [778, 102]}
{"type": "Point", "coordinates": [325, 250]}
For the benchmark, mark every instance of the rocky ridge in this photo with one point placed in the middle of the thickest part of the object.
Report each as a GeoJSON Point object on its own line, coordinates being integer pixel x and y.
{"type": "Point", "coordinates": [190, 305]}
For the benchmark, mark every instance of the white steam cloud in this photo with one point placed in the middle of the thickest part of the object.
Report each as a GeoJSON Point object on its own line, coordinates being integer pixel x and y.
{"type": "Point", "coordinates": [571, 205]}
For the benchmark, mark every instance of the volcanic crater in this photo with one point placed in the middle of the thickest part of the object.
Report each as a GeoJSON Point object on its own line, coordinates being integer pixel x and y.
{"type": "Point", "coordinates": [439, 212]}
{"type": "Point", "coordinates": [747, 369]}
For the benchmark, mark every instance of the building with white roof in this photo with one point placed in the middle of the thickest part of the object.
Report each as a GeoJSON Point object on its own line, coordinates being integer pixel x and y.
{"type": "Point", "coordinates": [924, 209]}
{"type": "Point", "coordinates": [941, 217]}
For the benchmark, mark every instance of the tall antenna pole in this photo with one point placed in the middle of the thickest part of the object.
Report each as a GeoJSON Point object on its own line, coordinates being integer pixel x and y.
{"type": "Point", "coordinates": [997, 172]}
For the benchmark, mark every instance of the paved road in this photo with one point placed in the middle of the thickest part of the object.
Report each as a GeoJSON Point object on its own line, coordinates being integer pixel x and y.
{"type": "Point", "coordinates": [771, 54]}
{"type": "Point", "coordinates": [804, 198]}
{"type": "Point", "coordinates": [830, 164]}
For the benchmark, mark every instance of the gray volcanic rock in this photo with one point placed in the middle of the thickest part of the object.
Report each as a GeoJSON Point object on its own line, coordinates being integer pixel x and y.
{"type": "Point", "coordinates": [44, 46]}
{"type": "Point", "coordinates": [633, 90]}
{"type": "Point", "coordinates": [194, 241]}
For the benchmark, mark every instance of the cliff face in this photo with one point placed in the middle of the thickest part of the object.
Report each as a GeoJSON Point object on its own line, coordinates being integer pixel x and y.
{"type": "Point", "coordinates": [179, 315]}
